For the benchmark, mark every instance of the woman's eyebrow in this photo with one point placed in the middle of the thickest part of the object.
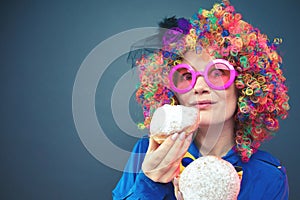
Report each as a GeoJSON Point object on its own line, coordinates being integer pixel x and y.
{"type": "Point", "coordinates": [191, 64]}
{"type": "Point", "coordinates": [188, 62]}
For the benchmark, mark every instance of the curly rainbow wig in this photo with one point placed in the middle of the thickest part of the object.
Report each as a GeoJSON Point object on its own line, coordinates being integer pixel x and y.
{"type": "Point", "coordinates": [262, 92]}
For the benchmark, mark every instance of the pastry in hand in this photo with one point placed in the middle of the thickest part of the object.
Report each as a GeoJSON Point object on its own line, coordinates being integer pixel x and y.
{"type": "Point", "coordinates": [169, 119]}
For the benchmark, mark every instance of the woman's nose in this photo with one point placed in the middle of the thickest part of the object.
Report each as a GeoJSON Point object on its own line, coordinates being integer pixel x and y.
{"type": "Point", "coordinates": [200, 86]}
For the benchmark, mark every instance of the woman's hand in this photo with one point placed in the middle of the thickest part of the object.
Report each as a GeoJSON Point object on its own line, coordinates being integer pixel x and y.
{"type": "Point", "coordinates": [161, 163]}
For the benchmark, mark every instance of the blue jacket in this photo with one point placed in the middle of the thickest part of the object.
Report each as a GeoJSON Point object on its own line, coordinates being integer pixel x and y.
{"type": "Point", "coordinates": [263, 177]}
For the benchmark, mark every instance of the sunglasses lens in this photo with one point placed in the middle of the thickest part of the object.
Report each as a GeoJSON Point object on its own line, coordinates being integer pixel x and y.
{"type": "Point", "coordinates": [218, 74]}
{"type": "Point", "coordinates": [182, 78]}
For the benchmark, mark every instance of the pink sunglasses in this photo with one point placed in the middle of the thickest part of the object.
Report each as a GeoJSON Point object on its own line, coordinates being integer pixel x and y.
{"type": "Point", "coordinates": [219, 74]}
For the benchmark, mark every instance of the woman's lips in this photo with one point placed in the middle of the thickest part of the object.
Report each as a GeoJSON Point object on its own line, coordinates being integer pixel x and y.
{"type": "Point", "coordinates": [202, 105]}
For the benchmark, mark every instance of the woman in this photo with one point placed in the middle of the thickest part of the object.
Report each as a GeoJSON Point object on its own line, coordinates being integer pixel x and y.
{"type": "Point", "coordinates": [239, 104]}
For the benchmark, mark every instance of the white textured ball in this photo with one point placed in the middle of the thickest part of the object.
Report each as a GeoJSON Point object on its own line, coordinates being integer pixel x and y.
{"type": "Point", "coordinates": [209, 178]}
{"type": "Point", "coordinates": [169, 119]}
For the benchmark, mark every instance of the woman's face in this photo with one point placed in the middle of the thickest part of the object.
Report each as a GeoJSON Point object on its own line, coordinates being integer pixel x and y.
{"type": "Point", "coordinates": [216, 106]}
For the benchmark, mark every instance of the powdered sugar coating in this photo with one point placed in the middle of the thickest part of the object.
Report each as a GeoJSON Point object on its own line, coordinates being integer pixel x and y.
{"type": "Point", "coordinates": [169, 119]}
{"type": "Point", "coordinates": [209, 178]}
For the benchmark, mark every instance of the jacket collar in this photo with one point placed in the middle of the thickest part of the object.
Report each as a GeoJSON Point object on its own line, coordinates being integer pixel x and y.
{"type": "Point", "coordinates": [231, 156]}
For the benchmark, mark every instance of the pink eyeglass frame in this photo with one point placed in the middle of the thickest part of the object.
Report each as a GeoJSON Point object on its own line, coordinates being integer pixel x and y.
{"type": "Point", "coordinates": [195, 74]}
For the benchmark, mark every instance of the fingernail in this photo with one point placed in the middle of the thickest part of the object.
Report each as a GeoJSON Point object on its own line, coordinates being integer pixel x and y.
{"type": "Point", "coordinates": [174, 136]}
{"type": "Point", "coordinates": [189, 138]}
{"type": "Point", "coordinates": [182, 136]}
{"type": "Point", "coordinates": [179, 195]}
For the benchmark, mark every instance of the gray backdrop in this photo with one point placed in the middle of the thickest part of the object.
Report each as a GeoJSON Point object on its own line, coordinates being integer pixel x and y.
{"type": "Point", "coordinates": [44, 43]}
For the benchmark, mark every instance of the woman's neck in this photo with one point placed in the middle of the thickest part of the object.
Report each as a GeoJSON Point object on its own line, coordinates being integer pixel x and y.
{"type": "Point", "coordinates": [216, 139]}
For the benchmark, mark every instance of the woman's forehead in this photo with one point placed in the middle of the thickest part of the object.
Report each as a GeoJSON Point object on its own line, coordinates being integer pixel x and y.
{"type": "Point", "coordinates": [197, 60]}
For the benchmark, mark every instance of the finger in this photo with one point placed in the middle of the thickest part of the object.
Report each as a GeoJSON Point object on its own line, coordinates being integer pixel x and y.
{"type": "Point", "coordinates": [174, 152]}
{"type": "Point", "coordinates": [153, 145]}
{"type": "Point", "coordinates": [156, 153]}
{"type": "Point", "coordinates": [162, 175]}
{"type": "Point", "coordinates": [175, 183]}
{"type": "Point", "coordinates": [165, 147]}
{"type": "Point", "coordinates": [187, 143]}
{"type": "Point", "coordinates": [179, 196]}
{"type": "Point", "coordinates": [173, 167]}
{"type": "Point", "coordinates": [169, 174]}
{"type": "Point", "coordinates": [177, 192]}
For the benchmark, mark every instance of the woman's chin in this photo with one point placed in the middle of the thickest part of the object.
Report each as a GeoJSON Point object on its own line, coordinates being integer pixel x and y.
{"type": "Point", "coordinates": [205, 121]}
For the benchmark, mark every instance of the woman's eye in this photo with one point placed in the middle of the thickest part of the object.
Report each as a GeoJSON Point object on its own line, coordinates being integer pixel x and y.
{"type": "Point", "coordinates": [217, 72]}
{"type": "Point", "coordinates": [187, 76]}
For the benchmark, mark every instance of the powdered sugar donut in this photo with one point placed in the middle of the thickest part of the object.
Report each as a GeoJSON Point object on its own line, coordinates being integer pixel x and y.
{"type": "Point", "coordinates": [168, 119]}
{"type": "Point", "coordinates": [209, 178]}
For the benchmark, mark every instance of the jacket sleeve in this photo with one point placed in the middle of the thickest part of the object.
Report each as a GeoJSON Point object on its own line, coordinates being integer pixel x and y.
{"type": "Point", "coordinates": [280, 188]}
{"type": "Point", "coordinates": [134, 184]}
{"type": "Point", "coordinates": [272, 182]}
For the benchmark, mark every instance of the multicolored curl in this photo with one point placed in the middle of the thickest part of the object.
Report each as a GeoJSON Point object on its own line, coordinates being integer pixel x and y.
{"type": "Point", "coordinates": [262, 92]}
